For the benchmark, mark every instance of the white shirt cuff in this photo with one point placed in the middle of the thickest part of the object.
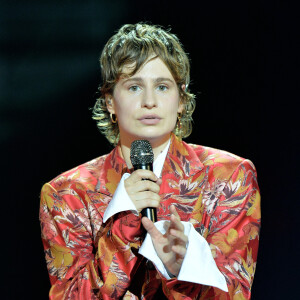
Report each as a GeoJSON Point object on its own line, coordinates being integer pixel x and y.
{"type": "Point", "coordinates": [198, 265]}
{"type": "Point", "coordinates": [120, 201]}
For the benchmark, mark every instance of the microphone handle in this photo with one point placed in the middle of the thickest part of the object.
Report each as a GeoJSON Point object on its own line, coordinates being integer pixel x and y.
{"type": "Point", "coordinates": [149, 212]}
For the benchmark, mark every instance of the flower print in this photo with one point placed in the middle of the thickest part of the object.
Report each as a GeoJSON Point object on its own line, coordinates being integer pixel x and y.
{"type": "Point", "coordinates": [58, 259]}
{"type": "Point", "coordinates": [254, 205]}
{"type": "Point", "coordinates": [247, 268]}
{"type": "Point", "coordinates": [186, 209]}
{"type": "Point", "coordinates": [231, 188]}
{"type": "Point", "coordinates": [185, 186]}
{"type": "Point", "coordinates": [48, 227]}
{"type": "Point", "coordinates": [232, 241]}
{"type": "Point", "coordinates": [211, 195]}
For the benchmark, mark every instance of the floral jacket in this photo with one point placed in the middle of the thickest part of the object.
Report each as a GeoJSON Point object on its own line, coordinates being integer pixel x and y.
{"type": "Point", "coordinates": [87, 259]}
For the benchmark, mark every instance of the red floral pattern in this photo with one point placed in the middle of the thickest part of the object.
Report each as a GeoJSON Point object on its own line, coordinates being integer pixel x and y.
{"type": "Point", "coordinates": [214, 190]}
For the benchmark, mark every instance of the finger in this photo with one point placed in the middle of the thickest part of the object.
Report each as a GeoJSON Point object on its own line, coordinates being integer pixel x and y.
{"type": "Point", "coordinates": [176, 223]}
{"type": "Point", "coordinates": [176, 218]}
{"type": "Point", "coordinates": [159, 181]}
{"type": "Point", "coordinates": [144, 199]}
{"type": "Point", "coordinates": [142, 174]}
{"type": "Point", "coordinates": [179, 250]}
{"type": "Point", "coordinates": [151, 229]}
{"type": "Point", "coordinates": [142, 185]}
{"type": "Point", "coordinates": [140, 205]}
{"type": "Point", "coordinates": [145, 196]}
{"type": "Point", "coordinates": [174, 211]}
{"type": "Point", "coordinates": [166, 225]}
{"type": "Point", "coordinates": [181, 238]}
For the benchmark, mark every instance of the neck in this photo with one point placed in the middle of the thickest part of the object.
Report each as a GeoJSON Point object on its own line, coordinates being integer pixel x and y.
{"type": "Point", "coordinates": [157, 147]}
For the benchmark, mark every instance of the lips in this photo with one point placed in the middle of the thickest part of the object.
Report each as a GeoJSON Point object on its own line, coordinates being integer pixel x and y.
{"type": "Point", "coordinates": [149, 119]}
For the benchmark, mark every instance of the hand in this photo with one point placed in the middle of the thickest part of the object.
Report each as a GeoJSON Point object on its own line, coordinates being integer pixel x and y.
{"type": "Point", "coordinates": [170, 247]}
{"type": "Point", "coordinates": [143, 193]}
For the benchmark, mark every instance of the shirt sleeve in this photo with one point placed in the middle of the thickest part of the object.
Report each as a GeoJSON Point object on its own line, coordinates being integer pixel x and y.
{"type": "Point", "coordinates": [84, 263]}
{"type": "Point", "coordinates": [198, 265]}
{"type": "Point", "coordinates": [120, 201]}
{"type": "Point", "coordinates": [234, 233]}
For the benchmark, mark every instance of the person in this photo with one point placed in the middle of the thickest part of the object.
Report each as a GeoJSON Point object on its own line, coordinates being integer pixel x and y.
{"type": "Point", "coordinates": [97, 244]}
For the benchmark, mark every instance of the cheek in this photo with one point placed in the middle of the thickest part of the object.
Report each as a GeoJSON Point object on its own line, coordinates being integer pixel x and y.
{"type": "Point", "coordinates": [173, 106]}
{"type": "Point", "coordinates": [172, 113]}
{"type": "Point", "coordinates": [174, 120]}
{"type": "Point", "coordinates": [124, 111]}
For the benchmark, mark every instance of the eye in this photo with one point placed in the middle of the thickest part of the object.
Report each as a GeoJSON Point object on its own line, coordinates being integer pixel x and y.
{"type": "Point", "coordinates": [134, 88]}
{"type": "Point", "coordinates": [162, 88]}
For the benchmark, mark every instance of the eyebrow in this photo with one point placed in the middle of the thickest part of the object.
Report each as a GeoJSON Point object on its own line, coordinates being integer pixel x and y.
{"type": "Point", "coordinates": [140, 79]}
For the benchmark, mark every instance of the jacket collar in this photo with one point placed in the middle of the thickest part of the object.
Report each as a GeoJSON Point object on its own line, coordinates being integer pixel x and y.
{"type": "Point", "coordinates": [112, 170]}
{"type": "Point", "coordinates": [181, 159]}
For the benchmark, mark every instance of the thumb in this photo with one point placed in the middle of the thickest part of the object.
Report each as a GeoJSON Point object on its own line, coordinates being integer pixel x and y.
{"type": "Point", "coordinates": [150, 227]}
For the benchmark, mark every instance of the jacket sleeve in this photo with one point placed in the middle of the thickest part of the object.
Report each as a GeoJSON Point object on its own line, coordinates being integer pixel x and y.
{"type": "Point", "coordinates": [233, 233]}
{"type": "Point", "coordinates": [84, 262]}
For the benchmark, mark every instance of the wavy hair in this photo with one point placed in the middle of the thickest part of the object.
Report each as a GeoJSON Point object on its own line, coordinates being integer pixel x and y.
{"type": "Point", "coordinates": [133, 44]}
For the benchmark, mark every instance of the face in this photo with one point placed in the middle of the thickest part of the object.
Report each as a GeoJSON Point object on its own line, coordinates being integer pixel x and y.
{"type": "Point", "coordinates": [146, 104]}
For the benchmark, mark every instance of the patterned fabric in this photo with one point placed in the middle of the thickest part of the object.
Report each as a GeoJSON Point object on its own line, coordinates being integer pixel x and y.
{"type": "Point", "coordinates": [214, 190]}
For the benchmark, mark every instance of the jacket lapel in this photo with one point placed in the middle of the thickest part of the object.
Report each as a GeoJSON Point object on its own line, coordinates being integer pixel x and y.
{"type": "Point", "coordinates": [181, 159]}
{"type": "Point", "coordinates": [109, 177]}
{"type": "Point", "coordinates": [183, 178]}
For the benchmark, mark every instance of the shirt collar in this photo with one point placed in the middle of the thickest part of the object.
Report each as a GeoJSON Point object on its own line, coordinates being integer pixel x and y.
{"type": "Point", "coordinates": [159, 161]}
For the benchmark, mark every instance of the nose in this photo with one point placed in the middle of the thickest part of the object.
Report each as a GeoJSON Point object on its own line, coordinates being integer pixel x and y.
{"type": "Point", "coordinates": [149, 99]}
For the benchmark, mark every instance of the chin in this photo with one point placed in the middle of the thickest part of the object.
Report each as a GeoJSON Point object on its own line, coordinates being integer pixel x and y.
{"type": "Point", "coordinates": [150, 136]}
{"type": "Point", "coordinates": [153, 135]}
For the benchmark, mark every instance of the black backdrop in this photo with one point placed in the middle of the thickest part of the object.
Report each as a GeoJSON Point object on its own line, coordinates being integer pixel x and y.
{"type": "Point", "coordinates": [244, 70]}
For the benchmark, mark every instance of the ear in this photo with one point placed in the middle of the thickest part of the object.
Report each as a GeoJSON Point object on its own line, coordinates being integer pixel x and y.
{"type": "Point", "coordinates": [110, 103]}
{"type": "Point", "coordinates": [180, 107]}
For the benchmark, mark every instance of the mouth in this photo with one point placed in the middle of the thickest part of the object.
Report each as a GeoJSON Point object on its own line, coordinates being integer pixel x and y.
{"type": "Point", "coordinates": [149, 119]}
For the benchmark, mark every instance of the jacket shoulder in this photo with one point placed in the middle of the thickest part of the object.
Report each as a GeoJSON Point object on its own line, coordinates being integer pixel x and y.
{"type": "Point", "coordinates": [220, 161]}
{"type": "Point", "coordinates": [86, 174]}
{"type": "Point", "coordinates": [207, 154]}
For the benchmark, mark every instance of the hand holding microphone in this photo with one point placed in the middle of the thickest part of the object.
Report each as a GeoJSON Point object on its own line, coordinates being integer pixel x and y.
{"type": "Point", "coordinates": [143, 186]}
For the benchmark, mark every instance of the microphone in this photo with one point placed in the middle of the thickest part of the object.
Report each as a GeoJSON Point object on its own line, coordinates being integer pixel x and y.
{"type": "Point", "coordinates": [141, 156]}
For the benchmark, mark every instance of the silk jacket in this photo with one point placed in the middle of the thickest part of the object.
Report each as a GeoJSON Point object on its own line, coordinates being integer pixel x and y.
{"type": "Point", "coordinates": [214, 190]}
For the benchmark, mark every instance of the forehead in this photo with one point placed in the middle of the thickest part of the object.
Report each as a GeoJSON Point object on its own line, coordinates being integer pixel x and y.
{"type": "Point", "coordinates": [152, 67]}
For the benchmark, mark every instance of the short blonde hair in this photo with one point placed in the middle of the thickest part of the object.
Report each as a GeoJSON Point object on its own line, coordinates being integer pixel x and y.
{"type": "Point", "coordinates": [133, 45]}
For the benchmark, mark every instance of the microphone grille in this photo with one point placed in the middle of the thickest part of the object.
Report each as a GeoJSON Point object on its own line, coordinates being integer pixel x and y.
{"type": "Point", "coordinates": [141, 152]}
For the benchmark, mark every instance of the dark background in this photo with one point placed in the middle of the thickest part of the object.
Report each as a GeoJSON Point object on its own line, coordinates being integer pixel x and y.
{"type": "Point", "coordinates": [244, 72]}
